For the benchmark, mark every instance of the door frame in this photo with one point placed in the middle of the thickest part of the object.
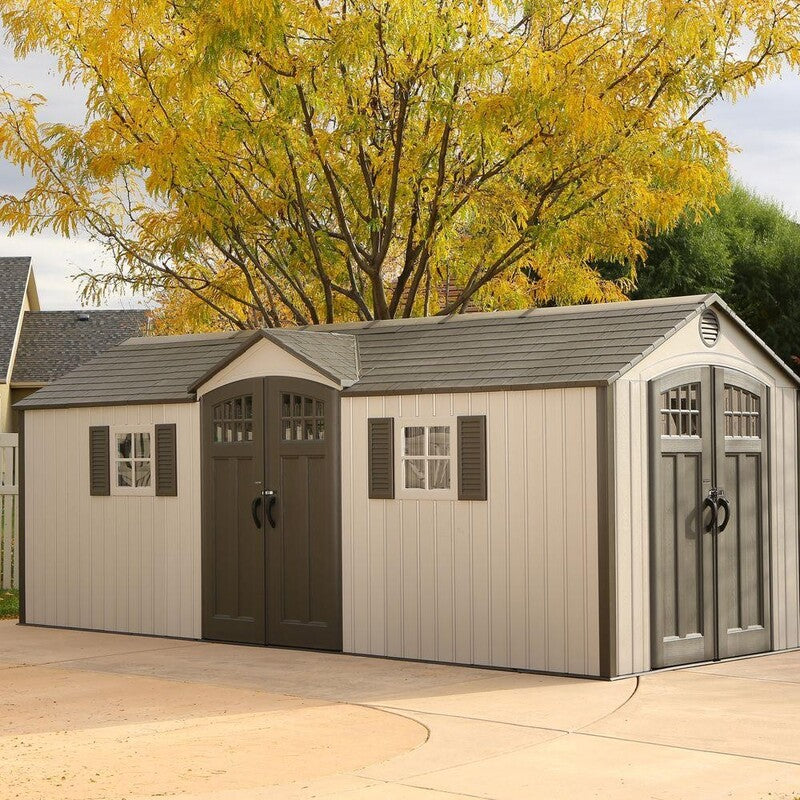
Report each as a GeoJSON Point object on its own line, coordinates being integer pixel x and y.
{"type": "Point", "coordinates": [715, 376]}
{"type": "Point", "coordinates": [268, 428]}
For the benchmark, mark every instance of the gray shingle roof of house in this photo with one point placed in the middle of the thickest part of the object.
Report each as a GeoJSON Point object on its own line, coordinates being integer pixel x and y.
{"type": "Point", "coordinates": [52, 343]}
{"type": "Point", "coordinates": [568, 346]}
{"type": "Point", "coordinates": [13, 282]}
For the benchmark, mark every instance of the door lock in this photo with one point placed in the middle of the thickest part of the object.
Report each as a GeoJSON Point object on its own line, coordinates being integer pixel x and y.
{"type": "Point", "coordinates": [715, 499]}
{"type": "Point", "coordinates": [271, 497]}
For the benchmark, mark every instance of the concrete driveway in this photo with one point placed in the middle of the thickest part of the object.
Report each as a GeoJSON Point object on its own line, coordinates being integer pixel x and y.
{"type": "Point", "coordinates": [85, 716]}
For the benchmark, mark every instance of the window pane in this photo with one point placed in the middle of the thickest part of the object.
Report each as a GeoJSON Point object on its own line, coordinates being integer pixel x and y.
{"type": "Point", "coordinates": [286, 430]}
{"type": "Point", "coordinates": [248, 431]}
{"type": "Point", "coordinates": [124, 445]}
{"type": "Point", "coordinates": [320, 408]}
{"type": "Point", "coordinates": [124, 473]}
{"type": "Point", "coordinates": [141, 445]}
{"type": "Point", "coordinates": [439, 473]}
{"type": "Point", "coordinates": [297, 406]}
{"type": "Point", "coordinates": [320, 429]}
{"type": "Point", "coordinates": [414, 473]}
{"type": "Point", "coordinates": [439, 441]}
{"type": "Point", "coordinates": [228, 431]}
{"type": "Point", "coordinates": [309, 429]}
{"type": "Point", "coordinates": [238, 408]}
{"type": "Point", "coordinates": [308, 407]}
{"type": "Point", "coordinates": [218, 431]}
{"type": "Point", "coordinates": [248, 407]}
{"type": "Point", "coordinates": [286, 405]}
{"type": "Point", "coordinates": [142, 473]}
{"type": "Point", "coordinates": [414, 441]}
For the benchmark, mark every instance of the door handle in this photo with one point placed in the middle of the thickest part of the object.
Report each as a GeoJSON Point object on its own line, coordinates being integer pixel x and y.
{"type": "Point", "coordinates": [726, 507]}
{"type": "Point", "coordinates": [709, 502]}
{"type": "Point", "coordinates": [272, 497]}
{"type": "Point", "coordinates": [254, 509]}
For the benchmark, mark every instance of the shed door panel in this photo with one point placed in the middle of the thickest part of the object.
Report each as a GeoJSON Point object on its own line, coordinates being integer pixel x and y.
{"type": "Point", "coordinates": [304, 547]}
{"type": "Point", "coordinates": [233, 568]}
{"type": "Point", "coordinates": [682, 566]}
{"type": "Point", "coordinates": [743, 547]}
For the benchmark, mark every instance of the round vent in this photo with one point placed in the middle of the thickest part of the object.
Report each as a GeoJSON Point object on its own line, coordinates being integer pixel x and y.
{"type": "Point", "coordinates": [709, 328]}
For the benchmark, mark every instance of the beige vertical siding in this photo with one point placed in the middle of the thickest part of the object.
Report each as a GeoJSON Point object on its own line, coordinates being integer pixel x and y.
{"type": "Point", "coordinates": [510, 582]}
{"type": "Point", "coordinates": [631, 485]}
{"type": "Point", "coordinates": [110, 563]}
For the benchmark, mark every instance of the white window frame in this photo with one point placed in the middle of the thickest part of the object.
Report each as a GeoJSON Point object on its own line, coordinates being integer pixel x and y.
{"type": "Point", "coordinates": [401, 424]}
{"type": "Point", "coordinates": [135, 491]}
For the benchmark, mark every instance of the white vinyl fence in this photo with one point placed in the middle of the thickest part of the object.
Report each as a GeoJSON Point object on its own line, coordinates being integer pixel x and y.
{"type": "Point", "coordinates": [9, 512]}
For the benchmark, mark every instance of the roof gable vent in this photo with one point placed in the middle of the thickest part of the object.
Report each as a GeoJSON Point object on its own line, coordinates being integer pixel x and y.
{"type": "Point", "coordinates": [709, 328]}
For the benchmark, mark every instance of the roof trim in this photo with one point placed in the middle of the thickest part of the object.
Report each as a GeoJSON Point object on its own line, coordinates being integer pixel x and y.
{"type": "Point", "coordinates": [22, 406]}
{"type": "Point", "coordinates": [708, 300]}
{"type": "Point", "coordinates": [587, 308]}
{"type": "Point", "coordinates": [495, 387]}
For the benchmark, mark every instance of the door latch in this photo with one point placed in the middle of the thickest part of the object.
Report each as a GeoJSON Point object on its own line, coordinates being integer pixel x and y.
{"type": "Point", "coordinates": [715, 499]}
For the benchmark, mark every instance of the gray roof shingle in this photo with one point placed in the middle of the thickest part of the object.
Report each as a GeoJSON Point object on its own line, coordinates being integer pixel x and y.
{"type": "Point", "coordinates": [52, 343]}
{"type": "Point", "coordinates": [157, 369]}
{"type": "Point", "coordinates": [334, 354]}
{"type": "Point", "coordinates": [14, 272]}
{"type": "Point", "coordinates": [568, 346]}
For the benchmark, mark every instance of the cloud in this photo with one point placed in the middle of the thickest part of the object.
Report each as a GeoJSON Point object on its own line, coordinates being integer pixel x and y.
{"type": "Point", "coordinates": [765, 126]}
{"type": "Point", "coordinates": [55, 260]}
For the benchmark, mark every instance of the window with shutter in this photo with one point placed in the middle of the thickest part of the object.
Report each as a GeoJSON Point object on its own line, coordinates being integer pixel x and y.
{"type": "Point", "coordinates": [380, 446]}
{"type": "Point", "coordinates": [472, 477]}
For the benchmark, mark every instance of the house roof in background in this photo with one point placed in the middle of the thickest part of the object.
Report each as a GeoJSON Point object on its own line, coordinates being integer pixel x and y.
{"type": "Point", "coordinates": [590, 345]}
{"type": "Point", "coordinates": [52, 343]}
{"type": "Point", "coordinates": [14, 272]}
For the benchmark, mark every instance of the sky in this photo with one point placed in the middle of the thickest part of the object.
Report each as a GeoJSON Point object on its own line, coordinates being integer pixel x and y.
{"type": "Point", "coordinates": [764, 127]}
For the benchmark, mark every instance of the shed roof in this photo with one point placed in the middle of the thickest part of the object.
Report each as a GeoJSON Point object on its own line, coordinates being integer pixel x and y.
{"type": "Point", "coordinates": [567, 346]}
{"type": "Point", "coordinates": [52, 343]}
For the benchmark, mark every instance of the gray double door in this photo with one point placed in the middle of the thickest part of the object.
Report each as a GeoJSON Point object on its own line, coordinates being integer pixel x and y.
{"type": "Point", "coordinates": [709, 549]}
{"type": "Point", "coordinates": [271, 554]}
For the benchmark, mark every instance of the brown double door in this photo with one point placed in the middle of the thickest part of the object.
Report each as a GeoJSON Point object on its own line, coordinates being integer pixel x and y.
{"type": "Point", "coordinates": [271, 571]}
{"type": "Point", "coordinates": [709, 550]}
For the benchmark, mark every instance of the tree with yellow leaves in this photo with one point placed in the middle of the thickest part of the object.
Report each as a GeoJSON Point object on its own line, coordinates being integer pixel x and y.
{"type": "Point", "coordinates": [260, 163]}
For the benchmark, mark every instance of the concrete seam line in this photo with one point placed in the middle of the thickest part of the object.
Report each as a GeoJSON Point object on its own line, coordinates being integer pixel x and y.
{"type": "Point", "coordinates": [745, 678]}
{"type": "Point", "coordinates": [613, 711]}
{"type": "Point", "coordinates": [684, 747]}
{"type": "Point", "coordinates": [102, 655]}
{"type": "Point", "coordinates": [471, 719]}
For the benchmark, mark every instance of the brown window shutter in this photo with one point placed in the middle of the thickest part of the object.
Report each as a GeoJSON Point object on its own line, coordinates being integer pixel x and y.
{"type": "Point", "coordinates": [472, 458]}
{"type": "Point", "coordinates": [99, 461]}
{"type": "Point", "coordinates": [166, 461]}
{"type": "Point", "coordinates": [380, 447]}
